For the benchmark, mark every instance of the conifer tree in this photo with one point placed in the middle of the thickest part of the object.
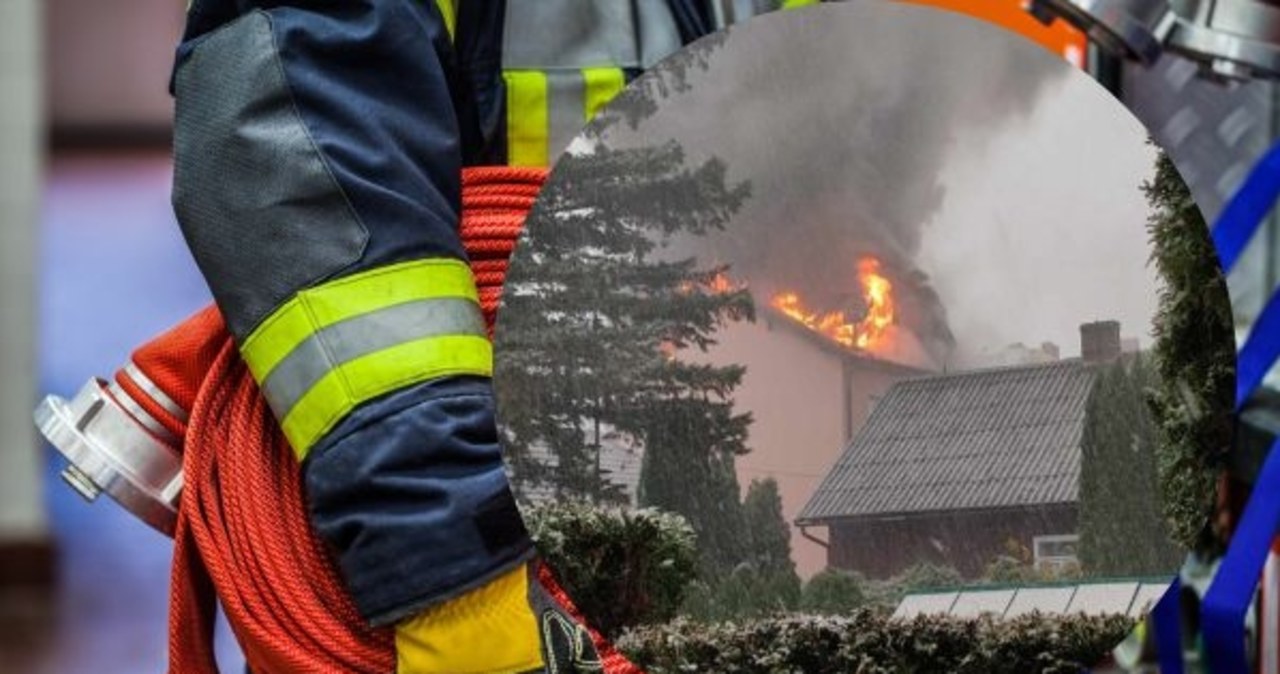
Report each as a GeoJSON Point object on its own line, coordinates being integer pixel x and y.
{"type": "Point", "coordinates": [1194, 356]}
{"type": "Point", "coordinates": [596, 311]}
{"type": "Point", "coordinates": [1122, 526]}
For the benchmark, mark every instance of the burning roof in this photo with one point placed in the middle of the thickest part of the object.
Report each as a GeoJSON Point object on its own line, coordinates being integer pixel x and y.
{"type": "Point", "coordinates": [865, 333]}
{"type": "Point", "coordinates": [872, 329]}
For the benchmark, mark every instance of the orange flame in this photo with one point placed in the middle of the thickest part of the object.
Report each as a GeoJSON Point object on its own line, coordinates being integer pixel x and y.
{"type": "Point", "coordinates": [721, 284]}
{"type": "Point", "coordinates": [870, 332]}
{"type": "Point", "coordinates": [716, 285]}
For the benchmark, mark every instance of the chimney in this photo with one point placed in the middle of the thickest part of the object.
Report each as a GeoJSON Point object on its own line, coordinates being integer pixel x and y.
{"type": "Point", "coordinates": [1100, 341]}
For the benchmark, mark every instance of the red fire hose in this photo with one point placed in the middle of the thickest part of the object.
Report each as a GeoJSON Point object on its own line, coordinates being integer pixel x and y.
{"type": "Point", "coordinates": [242, 534]}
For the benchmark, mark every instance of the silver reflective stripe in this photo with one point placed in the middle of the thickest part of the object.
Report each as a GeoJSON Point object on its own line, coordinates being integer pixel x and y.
{"type": "Point", "coordinates": [552, 34]}
{"type": "Point", "coordinates": [149, 387]}
{"type": "Point", "coordinates": [566, 100]}
{"type": "Point", "coordinates": [361, 335]}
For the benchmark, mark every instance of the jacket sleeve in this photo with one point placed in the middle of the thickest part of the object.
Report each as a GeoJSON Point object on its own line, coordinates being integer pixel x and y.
{"type": "Point", "coordinates": [317, 169]}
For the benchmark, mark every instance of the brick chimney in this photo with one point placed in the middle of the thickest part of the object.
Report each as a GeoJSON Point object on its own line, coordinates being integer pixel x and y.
{"type": "Point", "coordinates": [1100, 341]}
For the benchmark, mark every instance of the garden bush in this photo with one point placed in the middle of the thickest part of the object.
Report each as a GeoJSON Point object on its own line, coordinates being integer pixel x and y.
{"type": "Point", "coordinates": [833, 591]}
{"type": "Point", "coordinates": [744, 592]}
{"type": "Point", "coordinates": [622, 568]}
{"type": "Point", "coordinates": [869, 642]}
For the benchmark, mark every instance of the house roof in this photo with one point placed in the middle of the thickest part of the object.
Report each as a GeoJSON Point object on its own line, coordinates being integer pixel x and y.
{"type": "Point", "coordinates": [1002, 437]}
{"type": "Point", "coordinates": [862, 359]}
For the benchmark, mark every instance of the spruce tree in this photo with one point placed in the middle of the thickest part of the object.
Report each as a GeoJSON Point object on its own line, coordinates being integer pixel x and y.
{"type": "Point", "coordinates": [690, 446]}
{"type": "Point", "coordinates": [596, 310]}
{"type": "Point", "coordinates": [768, 534]}
{"type": "Point", "coordinates": [1194, 356]}
{"type": "Point", "coordinates": [1122, 526]}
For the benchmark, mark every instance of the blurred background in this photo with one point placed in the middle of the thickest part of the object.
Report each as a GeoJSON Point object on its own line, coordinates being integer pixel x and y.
{"type": "Point", "coordinates": [93, 265]}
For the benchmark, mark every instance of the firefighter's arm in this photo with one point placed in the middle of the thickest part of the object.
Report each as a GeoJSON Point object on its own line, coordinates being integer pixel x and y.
{"type": "Point", "coordinates": [317, 167]}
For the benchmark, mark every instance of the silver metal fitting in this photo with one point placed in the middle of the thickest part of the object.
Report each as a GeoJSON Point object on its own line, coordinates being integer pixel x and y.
{"type": "Point", "coordinates": [1231, 40]}
{"type": "Point", "coordinates": [111, 451]}
{"type": "Point", "coordinates": [1132, 28]}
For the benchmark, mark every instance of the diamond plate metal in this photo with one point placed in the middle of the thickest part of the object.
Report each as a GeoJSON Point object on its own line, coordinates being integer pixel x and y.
{"type": "Point", "coordinates": [1214, 133]}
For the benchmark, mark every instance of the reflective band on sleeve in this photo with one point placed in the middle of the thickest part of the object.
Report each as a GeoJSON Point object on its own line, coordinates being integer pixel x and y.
{"type": "Point", "coordinates": [547, 109]}
{"type": "Point", "coordinates": [793, 4]}
{"type": "Point", "coordinates": [565, 89]}
{"type": "Point", "coordinates": [601, 85]}
{"type": "Point", "coordinates": [448, 12]}
{"type": "Point", "coordinates": [333, 347]}
{"type": "Point", "coordinates": [528, 123]}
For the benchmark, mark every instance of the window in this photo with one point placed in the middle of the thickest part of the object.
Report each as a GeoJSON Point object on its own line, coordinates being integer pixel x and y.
{"type": "Point", "coordinates": [1056, 552]}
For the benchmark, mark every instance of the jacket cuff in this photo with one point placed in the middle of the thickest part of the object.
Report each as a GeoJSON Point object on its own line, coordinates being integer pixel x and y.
{"type": "Point", "coordinates": [410, 492]}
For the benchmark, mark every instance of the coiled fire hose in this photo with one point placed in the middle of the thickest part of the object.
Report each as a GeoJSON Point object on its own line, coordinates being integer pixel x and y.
{"type": "Point", "coordinates": [242, 536]}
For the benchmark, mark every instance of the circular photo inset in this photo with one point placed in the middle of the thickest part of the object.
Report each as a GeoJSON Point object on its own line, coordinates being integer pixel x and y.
{"type": "Point", "coordinates": [869, 307]}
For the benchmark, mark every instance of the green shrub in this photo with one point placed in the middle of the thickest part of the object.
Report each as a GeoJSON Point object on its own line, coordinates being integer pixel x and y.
{"type": "Point", "coordinates": [869, 642]}
{"type": "Point", "coordinates": [838, 591]}
{"type": "Point", "coordinates": [834, 591]}
{"type": "Point", "coordinates": [744, 593]}
{"type": "Point", "coordinates": [622, 568]}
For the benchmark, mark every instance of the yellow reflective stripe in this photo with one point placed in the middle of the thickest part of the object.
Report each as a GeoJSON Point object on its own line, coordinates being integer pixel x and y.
{"type": "Point", "coordinates": [528, 118]}
{"type": "Point", "coordinates": [601, 85]}
{"type": "Point", "coordinates": [372, 296]}
{"type": "Point", "coordinates": [367, 377]}
{"type": "Point", "coordinates": [314, 308]}
{"type": "Point", "coordinates": [491, 630]}
{"type": "Point", "coordinates": [793, 4]}
{"type": "Point", "coordinates": [449, 12]}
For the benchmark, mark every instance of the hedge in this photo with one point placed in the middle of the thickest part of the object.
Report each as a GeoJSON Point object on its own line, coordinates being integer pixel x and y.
{"type": "Point", "coordinates": [621, 567]}
{"type": "Point", "coordinates": [869, 642]}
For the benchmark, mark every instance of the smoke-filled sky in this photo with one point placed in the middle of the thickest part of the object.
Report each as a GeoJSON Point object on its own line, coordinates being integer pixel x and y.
{"type": "Point", "coordinates": [938, 143]}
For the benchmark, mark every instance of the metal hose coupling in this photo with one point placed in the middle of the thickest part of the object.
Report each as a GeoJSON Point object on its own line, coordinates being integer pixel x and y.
{"type": "Point", "coordinates": [1231, 40]}
{"type": "Point", "coordinates": [113, 446]}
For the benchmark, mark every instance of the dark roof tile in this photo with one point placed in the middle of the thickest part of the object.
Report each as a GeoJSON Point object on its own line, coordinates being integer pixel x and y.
{"type": "Point", "coordinates": [983, 439]}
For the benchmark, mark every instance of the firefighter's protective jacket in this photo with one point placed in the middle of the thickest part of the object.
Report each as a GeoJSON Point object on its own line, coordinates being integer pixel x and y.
{"type": "Point", "coordinates": [318, 148]}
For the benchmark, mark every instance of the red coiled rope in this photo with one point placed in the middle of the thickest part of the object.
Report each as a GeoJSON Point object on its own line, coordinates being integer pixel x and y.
{"type": "Point", "coordinates": [495, 201]}
{"type": "Point", "coordinates": [243, 535]}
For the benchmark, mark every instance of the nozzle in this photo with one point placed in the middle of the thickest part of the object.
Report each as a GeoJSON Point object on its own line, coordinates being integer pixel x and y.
{"type": "Point", "coordinates": [110, 450]}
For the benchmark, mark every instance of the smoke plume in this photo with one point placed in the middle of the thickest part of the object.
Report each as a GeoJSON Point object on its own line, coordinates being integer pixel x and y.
{"type": "Point", "coordinates": [841, 117]}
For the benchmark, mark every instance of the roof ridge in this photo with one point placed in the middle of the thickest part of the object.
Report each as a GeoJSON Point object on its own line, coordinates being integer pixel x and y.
{"type": "Point", "coordinates": [1075, 363]}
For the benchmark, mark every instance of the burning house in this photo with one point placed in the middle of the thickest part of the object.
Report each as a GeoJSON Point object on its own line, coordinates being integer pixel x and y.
{"type": "Point", "coordinates": [812, 378]}
{"type": "Point", "coordinates": [950, 468]}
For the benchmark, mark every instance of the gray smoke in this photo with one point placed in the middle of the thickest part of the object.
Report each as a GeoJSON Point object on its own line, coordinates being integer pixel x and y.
{"type": "Point", "coordinates": [841, 118]}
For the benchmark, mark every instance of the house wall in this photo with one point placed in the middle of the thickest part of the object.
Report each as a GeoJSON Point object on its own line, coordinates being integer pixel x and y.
{"type": "Point", "coordinates": [793, 389]}
{"type": "Point", "coordinates": [966, 541]}
{"type": "Point", "coordinates": [866, 386]}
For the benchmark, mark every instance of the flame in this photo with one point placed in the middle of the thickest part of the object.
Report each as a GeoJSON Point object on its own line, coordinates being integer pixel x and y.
{"type": "Point", "coordinates": [719, 284]}
{"type": "Point", "coordinates": [868, 333]}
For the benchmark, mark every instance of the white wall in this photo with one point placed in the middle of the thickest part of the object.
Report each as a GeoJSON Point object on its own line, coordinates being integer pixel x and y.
{"type": "Point", "coordinates": [21, 508]}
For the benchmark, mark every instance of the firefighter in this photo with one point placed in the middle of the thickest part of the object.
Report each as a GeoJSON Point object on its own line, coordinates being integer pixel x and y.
{"type": "Point", "coordinates": [318, 148]}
